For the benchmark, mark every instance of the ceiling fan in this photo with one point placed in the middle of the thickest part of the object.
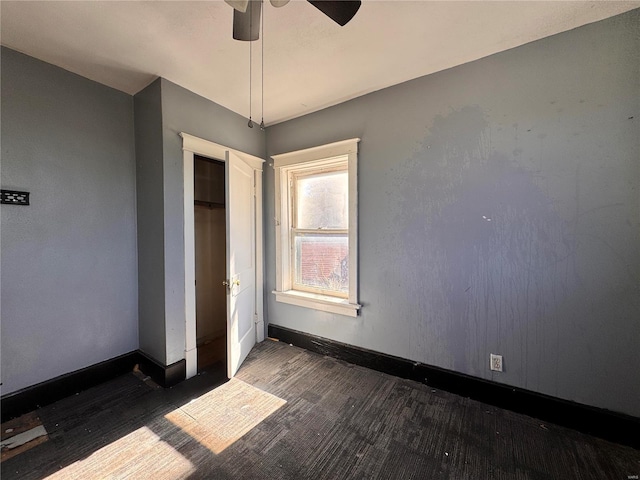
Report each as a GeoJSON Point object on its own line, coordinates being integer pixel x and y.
{"type": "Point", "coordinates": [246, 14]}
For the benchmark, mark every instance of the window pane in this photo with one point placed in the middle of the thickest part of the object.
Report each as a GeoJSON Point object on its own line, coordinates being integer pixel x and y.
{"type": "Point", "coordinates": [323, 201]}
{"type": "Point", "coordinates": [322, 262]}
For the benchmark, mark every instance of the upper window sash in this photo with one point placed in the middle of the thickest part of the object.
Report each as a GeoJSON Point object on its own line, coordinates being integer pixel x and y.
{"type": "Point", "coordinates": [294, 180]}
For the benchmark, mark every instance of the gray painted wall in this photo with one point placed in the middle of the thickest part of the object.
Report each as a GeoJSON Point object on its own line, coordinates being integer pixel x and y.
{"type": "Point", "coordinates": [150, 228]}
{"type": "Point", "coordinates": [499, 212]}
{"type": "Point", "coordinates": [162, 333]}
{"type": "Point", "coordinates": [69, 277]}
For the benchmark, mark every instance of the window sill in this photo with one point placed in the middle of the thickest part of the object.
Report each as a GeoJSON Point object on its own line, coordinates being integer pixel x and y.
{"type": "Point", "coordinates": [318, 302]}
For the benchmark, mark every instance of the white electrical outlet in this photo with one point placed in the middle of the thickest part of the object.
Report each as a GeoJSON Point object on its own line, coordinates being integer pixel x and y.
{"type": "Point", "coordinates": [495, 362]}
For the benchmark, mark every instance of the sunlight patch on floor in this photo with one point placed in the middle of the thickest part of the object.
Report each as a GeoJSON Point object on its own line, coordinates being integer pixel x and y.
{"type": "Point", "coordinates": [140, 454]}
{"type": "Point", "coordinates": [222, 416]}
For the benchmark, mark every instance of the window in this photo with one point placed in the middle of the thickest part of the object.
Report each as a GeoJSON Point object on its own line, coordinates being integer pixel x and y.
{"type": "Point", "coordinates": [316, 227]}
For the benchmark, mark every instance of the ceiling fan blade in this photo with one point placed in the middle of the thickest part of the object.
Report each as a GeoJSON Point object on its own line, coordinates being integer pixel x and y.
{"type": "Point", "coordinates": [340, 11]}
{"type": "Point", "coordinates": [279, 3]}
{"type": "Point", "coordinates": [246, 26]}
{"type": "Point", "coordinates": [239, 5]}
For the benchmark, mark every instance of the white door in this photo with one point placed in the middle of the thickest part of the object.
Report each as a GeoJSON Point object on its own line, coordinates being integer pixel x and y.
{"type": "Point", "coordinates": [241, 261]}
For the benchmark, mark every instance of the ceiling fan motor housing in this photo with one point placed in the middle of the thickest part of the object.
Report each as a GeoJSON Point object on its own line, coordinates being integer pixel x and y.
{"type": "Point", "coordinates": [246, 14]}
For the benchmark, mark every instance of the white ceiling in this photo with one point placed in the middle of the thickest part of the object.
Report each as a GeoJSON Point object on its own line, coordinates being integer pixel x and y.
{"type": "Point", "coordinates": [309, 61]}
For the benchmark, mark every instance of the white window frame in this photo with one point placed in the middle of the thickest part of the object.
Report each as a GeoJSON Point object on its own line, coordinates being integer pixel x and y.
{"type": "Point", "coordinates": [309, 160]}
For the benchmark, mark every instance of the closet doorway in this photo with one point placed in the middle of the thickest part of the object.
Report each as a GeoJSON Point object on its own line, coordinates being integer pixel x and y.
{"type": "Point", "coordinates": [242, 274]}
{"type": "Point", "coordinates": [210, 263]}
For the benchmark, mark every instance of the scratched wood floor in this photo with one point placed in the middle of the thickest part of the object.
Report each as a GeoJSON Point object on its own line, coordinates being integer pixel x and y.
{"type": "Point", "coordinates": [339, 421]}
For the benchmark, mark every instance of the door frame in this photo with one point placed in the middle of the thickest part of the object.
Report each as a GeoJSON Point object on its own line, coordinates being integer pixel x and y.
{"type": "Point", "coordinates": [191, 146]}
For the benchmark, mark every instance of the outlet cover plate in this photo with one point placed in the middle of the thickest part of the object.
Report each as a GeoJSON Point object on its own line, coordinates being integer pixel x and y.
{"type": "Point", "coordinates": [495, 362]}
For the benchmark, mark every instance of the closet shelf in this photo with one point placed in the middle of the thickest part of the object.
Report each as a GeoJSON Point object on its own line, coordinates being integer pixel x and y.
{"type": "Point", "coordinates": [202, 203]}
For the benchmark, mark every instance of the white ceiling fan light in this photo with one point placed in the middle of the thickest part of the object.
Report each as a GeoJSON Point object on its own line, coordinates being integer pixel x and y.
{"type": "Point", "coordinates": [239, 5]}
{"type": "Point", "coordinates": [279, 3]}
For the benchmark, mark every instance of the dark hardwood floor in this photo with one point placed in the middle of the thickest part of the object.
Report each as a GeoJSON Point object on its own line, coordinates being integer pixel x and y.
{"type": "Point", "coordinates": [293, 414]}
{"type": "Point", "coordinates": [211, 352]}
